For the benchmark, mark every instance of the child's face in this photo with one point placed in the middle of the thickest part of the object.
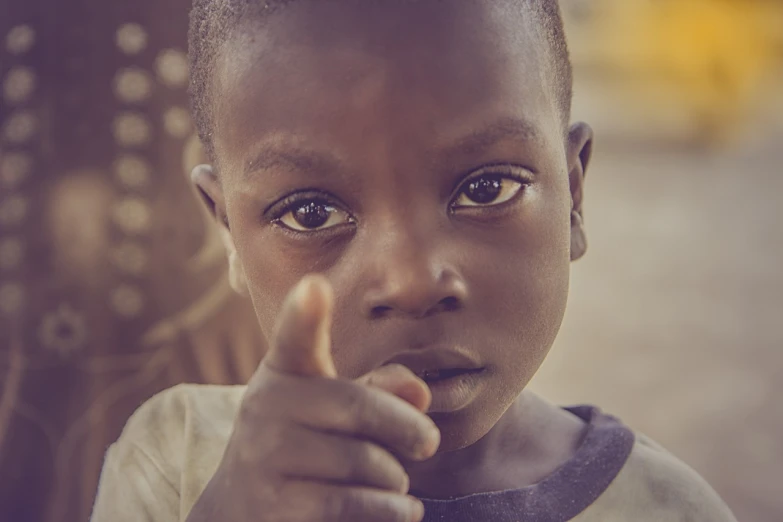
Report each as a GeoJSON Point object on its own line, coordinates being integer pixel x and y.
{"type": "Point", "coordinates": [414, 154]}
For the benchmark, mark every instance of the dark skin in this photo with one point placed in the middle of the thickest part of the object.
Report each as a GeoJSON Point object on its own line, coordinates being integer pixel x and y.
{"type": "Point", "coordinates": [432, 183]}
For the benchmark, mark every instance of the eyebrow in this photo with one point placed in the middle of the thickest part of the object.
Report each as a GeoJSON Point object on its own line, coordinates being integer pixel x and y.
{"type": "Point", "coordinates": [503, 129]}
{"type": "Point", "coordinates": [292, 159]}
{"type": "Point", "coordinates": [310, 162]}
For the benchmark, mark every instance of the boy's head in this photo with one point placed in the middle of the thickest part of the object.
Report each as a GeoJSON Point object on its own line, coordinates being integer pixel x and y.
{"type": "Point", "coordinates": [214, 22]}
{"type": "Point", "coordinates": [418, 154]}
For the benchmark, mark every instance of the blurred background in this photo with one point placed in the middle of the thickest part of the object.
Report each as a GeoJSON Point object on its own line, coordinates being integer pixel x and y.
{"type": "Point", "coordinates": [113, 285]}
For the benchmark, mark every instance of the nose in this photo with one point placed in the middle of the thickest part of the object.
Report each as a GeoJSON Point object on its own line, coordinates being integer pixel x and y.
{"type": "Point", "coordinates": [412, 279]}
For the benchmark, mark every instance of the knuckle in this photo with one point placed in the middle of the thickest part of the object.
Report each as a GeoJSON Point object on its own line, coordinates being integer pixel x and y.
{"type": "Point", "coordinates": [358, 410]}
{"type": "Point", "coordinates": [266, 449]}
{"type": "Point", "coordinates": [256, 399]}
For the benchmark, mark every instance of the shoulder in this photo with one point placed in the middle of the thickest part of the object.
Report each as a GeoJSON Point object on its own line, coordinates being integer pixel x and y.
{"type": "Point", "coordinates": [186, 402]}
{"type": "Point", "coordinates": [180, 423]}
{"type": "Point", "coordinates": [661, 484]}
{"type": "Point", "coordinates": [164, 421]}
{"type": "Point", "coordinates": [166, 453]}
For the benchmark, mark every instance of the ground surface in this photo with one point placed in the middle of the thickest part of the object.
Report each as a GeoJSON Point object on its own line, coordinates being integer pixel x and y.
{"type": "Point", "coordinates": [675, 322]}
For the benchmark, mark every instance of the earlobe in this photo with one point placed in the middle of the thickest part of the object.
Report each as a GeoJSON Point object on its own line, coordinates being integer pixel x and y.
{"type": "Point", "coordinates": [236, 271]}
{"type": "Point", "coordinates": [578, 237]}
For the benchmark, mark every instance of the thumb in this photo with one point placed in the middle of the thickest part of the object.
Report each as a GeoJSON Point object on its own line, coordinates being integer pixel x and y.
{"type": "Point", "coordinates": [301, 344]}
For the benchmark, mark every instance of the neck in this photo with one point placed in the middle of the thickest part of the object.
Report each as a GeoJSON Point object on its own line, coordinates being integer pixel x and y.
{"type": "Point", "coordinates": [529, 442]}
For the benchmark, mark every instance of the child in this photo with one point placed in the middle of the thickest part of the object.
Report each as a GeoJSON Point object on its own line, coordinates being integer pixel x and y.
{"type": "Point", "coordinates": [417, 155]}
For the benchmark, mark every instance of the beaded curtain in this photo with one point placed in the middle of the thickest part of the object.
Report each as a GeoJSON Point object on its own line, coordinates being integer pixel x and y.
{"type": "Point", "coordinates": [112, 283]}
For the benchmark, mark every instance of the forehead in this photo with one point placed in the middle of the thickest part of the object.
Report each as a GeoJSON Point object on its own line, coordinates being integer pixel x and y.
{"type": "Point", "coordinates": [424, 71]}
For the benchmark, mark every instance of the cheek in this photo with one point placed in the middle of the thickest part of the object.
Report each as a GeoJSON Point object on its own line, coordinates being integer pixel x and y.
{"type": "Point", "coordinates": [526, 289]}
{"type": "Point", "coordinates": [269, 278]}
{"type": "Point", "coordinates": [530, 287]}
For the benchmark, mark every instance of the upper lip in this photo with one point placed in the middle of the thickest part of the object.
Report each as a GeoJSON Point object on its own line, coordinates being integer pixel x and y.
{"type": "Point", "coordinates": [429, 359]}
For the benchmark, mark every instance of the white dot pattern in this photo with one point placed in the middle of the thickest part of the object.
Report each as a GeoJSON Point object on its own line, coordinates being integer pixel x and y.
{"type": "Point", "coordinates": [130, 258]}
{"type": "Point", "coordinates": [12, 296]}
{"type": "Point", "coordinates": [132, 85]}
{"type": "Point", "coordinates": [11, 253]}
{"type": "Point", "coordinates": [172, 68]}
{"type": "Point", "coordinates": [18, 85]}
{"type": "Point", "coordinates": [13, 210]}
{"type": "Point", "coordinates": [176, 121]}
{"type": "Point", "coordinates": [20, 127]}
{"type": "Point", "coordinates": [132, 171]}
{"type": "Point", "coordinates": [131, 39]}
{"type": "Point", "coordinates": [131, 130]}
{"type": "Point", "coordinates": [15, 167]}
{"type": "Point", "coordinates": [132, 215]}
{"type": "Point", "coordinates": [20, 39]}
{"type": "Point", "coordinates": [127, 301]}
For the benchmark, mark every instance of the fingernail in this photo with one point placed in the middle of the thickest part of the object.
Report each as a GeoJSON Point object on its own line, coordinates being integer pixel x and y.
{"type": "Point", "coordinates": [429, 446]}
{"type": "Point", "coordinates": [425, 449]}
{"type": "Point", "coordinates": [303, 288]}
{"type": "Point", "coordinates": [417, 513]}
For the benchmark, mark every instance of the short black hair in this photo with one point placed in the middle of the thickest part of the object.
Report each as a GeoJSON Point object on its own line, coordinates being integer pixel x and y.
{"type": "Point", "coordinates": [213, 22]}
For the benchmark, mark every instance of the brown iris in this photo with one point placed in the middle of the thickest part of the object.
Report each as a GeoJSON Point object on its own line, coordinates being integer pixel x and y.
{"type": "Point", "coordinates": [313, 214]}
{"type": "Point", "coordinates": [484, 190]}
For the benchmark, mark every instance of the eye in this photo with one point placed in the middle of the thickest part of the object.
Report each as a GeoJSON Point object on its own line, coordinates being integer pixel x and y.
{"type": "Point", "coordinates": [489, 189]}
{"type": "Point", "coordinates": [312, 215]}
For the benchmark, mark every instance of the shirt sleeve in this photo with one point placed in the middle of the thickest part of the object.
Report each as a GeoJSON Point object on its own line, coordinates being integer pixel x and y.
{"type": "Point", "coordinates": [678, 491]}
{"type": "Point", "coordinates": [141, 476]}
{"type": "Point", "coordinates": [133, 488]}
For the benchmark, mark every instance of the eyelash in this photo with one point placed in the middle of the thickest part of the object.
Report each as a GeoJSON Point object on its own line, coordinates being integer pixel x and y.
{"type": "Point", "coordinates": [289, 203]}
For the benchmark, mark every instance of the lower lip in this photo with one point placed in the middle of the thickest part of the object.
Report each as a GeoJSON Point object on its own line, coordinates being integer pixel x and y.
{"type": "Point", "coordinates": [456, 392]}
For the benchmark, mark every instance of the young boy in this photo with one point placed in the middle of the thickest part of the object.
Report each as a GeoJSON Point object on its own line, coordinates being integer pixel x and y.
{"type": "Point", "coordinates": [417, 155]}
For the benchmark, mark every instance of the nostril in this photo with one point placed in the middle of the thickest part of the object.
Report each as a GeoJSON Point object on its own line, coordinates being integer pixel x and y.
{"type": "Point", "coordinates": [379, 312]}
{"type": "Point", "coordinates": [447, 304]}
{"type": "Point", "coordinates": [450, 303]}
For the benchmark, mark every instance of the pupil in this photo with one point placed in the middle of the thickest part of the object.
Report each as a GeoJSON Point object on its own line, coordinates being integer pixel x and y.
{"type": "Point", "coordinates": [484, 190]}
{"type": "Point", "coordinates": [312, 215]}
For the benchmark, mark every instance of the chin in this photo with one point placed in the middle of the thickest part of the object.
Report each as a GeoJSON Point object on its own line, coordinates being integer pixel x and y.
{"type": "Point", "coordinates": [463, 428]}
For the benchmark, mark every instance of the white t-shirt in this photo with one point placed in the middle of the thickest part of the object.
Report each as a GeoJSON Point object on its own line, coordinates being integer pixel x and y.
{"type": "Point", "coordinates": [173, 444]}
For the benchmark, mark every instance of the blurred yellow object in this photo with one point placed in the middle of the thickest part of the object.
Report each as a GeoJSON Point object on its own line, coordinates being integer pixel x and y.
{"type": "Point", "coordinates": [713, 54]}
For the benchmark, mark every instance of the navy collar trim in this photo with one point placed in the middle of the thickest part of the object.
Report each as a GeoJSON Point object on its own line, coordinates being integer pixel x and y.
{"type": "Point", "coordinates": [568, 491]}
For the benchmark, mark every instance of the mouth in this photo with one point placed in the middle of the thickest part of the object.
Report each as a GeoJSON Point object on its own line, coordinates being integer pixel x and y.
{"type": "Point", "coordinates": [438, 375]}
{"type": "Point", "coordinates": [454, 376]}
{"type": "Point", "coordinates": [437, 363]}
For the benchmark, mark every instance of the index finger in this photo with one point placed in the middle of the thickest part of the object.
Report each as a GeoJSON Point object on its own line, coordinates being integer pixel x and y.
{"type": "Point", "coordinates": [302, 342]}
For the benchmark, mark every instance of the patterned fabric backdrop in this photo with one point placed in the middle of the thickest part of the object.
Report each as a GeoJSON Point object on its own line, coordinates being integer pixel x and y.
{"type": "Point", "coordinates": [112, 285]}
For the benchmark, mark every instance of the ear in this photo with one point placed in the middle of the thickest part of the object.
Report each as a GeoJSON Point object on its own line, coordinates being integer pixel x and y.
{"type": "Point", "coordinates": [580, 149]}
{"type": "Point", "coordinates": [210, 191]}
